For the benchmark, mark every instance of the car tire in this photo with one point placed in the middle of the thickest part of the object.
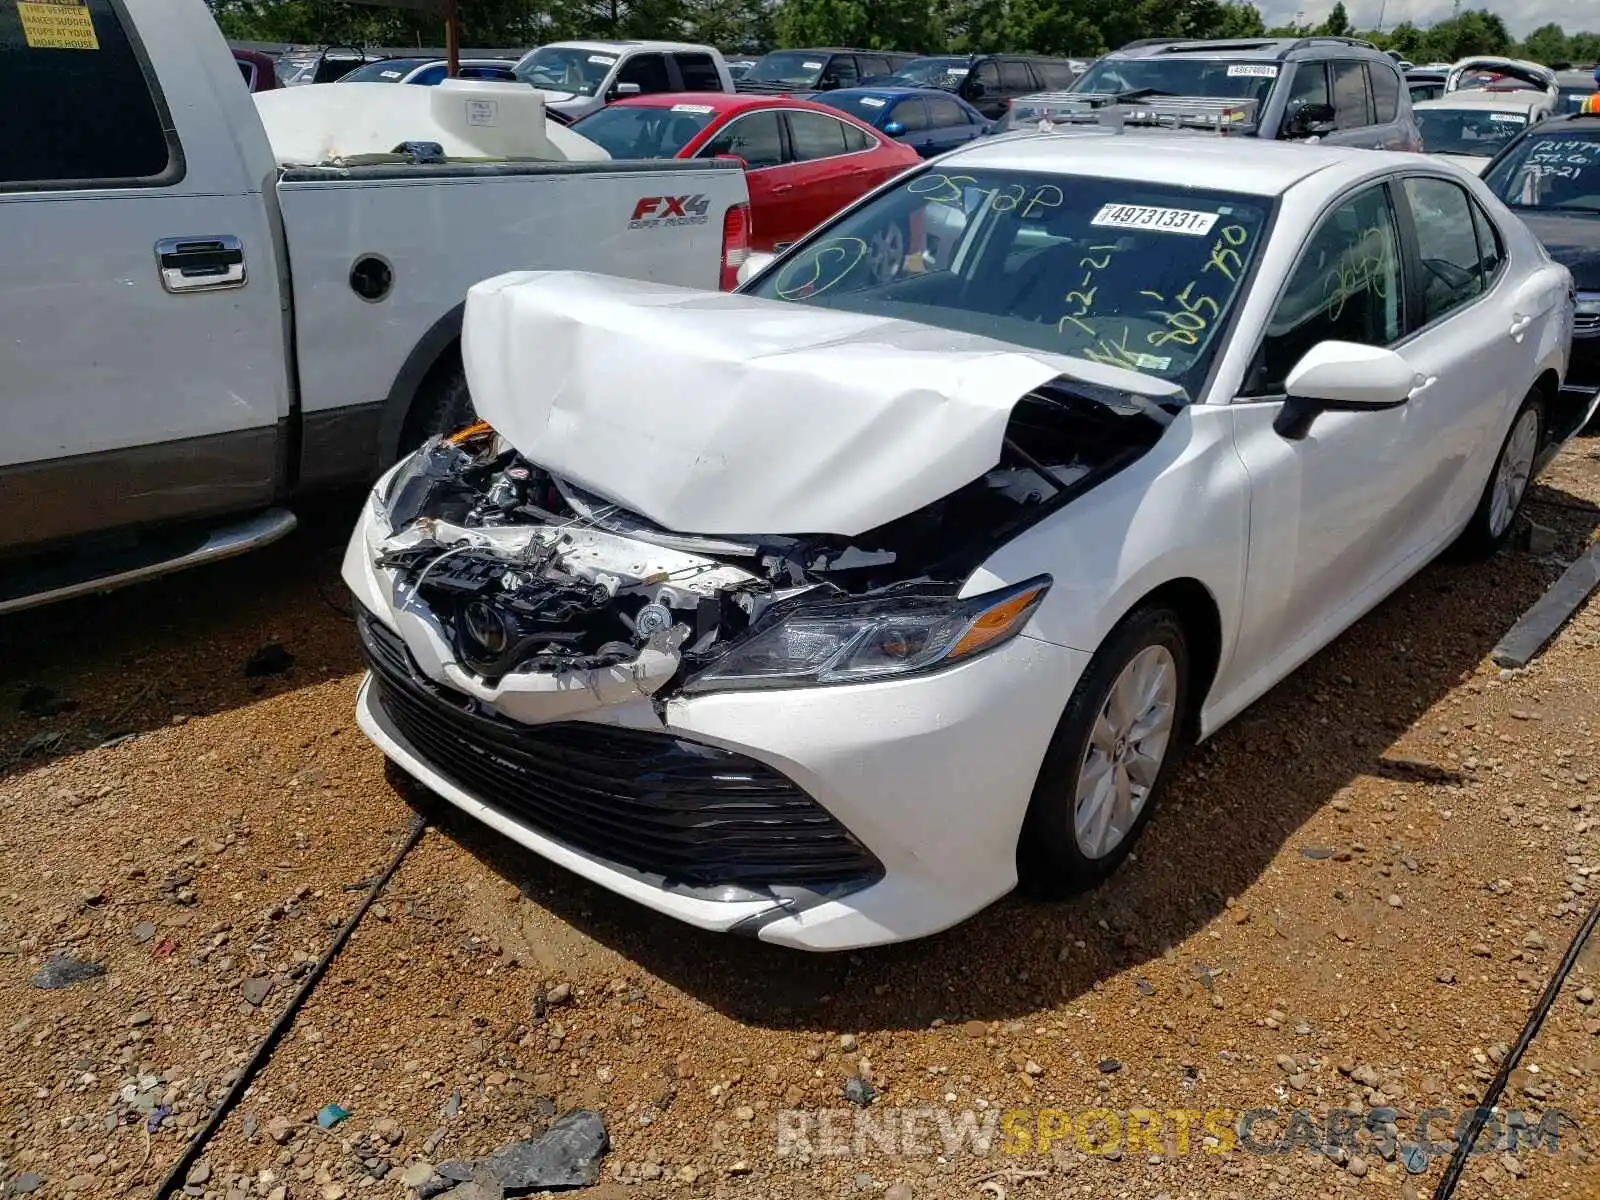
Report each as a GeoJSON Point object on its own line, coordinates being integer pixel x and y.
{"type": "Point", "coordinates": [442, 405]}
{"type": "Point", "coordinates": [1503, 495]}
{"type": "Point", "coordinates": [1069, 843]}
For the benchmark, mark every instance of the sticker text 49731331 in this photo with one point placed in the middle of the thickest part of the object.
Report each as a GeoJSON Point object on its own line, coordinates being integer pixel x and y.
{"type": "Point", "coordinates": [1162, 220]}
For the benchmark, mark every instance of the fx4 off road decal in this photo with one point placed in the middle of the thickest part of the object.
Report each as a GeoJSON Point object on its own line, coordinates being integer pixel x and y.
{"type": "Point", "coordinates": [652, 212]}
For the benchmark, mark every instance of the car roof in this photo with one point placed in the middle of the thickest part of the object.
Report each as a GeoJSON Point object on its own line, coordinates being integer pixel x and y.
{"type": "Point", "coordinates": [629, 45]}
{"type": "Point", "coordinates": [1251, 166]}
{"type": "Point", "coordinates": [1266, 48]}
{"type": "Point", "coordinates": [1477, 98]}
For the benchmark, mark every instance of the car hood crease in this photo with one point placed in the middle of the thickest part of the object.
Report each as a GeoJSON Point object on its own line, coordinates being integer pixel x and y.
{"type": "Point", "coordinates": [717, 413]}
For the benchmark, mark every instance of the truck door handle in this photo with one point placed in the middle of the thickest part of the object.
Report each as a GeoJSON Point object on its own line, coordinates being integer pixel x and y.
{"type": "Point", "coordinates": [201, 264]}
{"type": "Point", "coordinates": [1519, 326]}
{"type": "Point", "coordinates": [779, 188]}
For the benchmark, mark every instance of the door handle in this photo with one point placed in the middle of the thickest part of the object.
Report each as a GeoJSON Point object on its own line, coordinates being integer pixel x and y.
{"type": "Point", "coordinates": [779, 188]}
{"type": "Point", "coordinates": [1422, 386]}
{"type": "Point", "coordinates": [201, 264]}
{"type": "Point", "coordinates": [1519, 326]}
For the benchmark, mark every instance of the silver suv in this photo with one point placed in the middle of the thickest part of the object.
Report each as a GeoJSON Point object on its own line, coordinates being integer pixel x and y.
{"type": "Point", "coordinates": [1332, 89]}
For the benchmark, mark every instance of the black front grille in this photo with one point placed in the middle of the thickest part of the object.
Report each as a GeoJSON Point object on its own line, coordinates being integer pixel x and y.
{"type": "Point", "coordinates": [696, 816]}
{"type": "Point", "coordinates": [1583, 369]}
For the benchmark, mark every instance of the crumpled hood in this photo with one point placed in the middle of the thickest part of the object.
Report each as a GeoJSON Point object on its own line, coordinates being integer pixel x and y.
{"type": "Point", "coordinates": [1573, 240]}
{"type": "Point", "coordinates": [716, 413]}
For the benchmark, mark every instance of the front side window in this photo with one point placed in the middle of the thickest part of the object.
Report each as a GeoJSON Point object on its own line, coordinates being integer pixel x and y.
{"type": "Point", "coordinates": [1309, 86]}
{"type": "Point", "coordinates": [757, 138]}
{"type": "Point", "coordinates": [1447, 244]}
{"type": "Point", "coordinates": [637, 131]}
{"type": "Point", "coordinates": [699, 73]}
{"type": "Point", "coordinates": [815, 136]}
{"type": "Point", "coordinates": [1350, 108]}
{"type": "Point", "coordinates": [841, 73]}
{"type": "Point", "coordinates": [1543, 171]}
{"type": "Point", "coordinates": [989, 75]}
{"type": "Point", "coordinates": [1126, 273]}
{"type": "Point", "coordinates": [78, 106]}
{"type": "Point", "coordinates": [566, 69]}
{"type": "Point", "coordinates": [1346, 287]}
{"type": "Point", "coordinates": [649, 71]}
{"type": "Point", "coordinates": [1177, 76]}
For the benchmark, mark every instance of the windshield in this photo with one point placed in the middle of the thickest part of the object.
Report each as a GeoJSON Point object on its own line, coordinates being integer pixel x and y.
{"type": "Point", "coordinates": [1468, 130]}
{"type": "Point", "coordinates": [933, 72]}
{"type": "Point", "coordinates": [788, 68]}
{"type": "Point", "coordinates": [1130, 274]}
{"type": "Point", "coordinates": [566, 69]}
{"type": "Point", "coordinates": [1180, 77]}
{"type": "Point", "coordinates": [391, 70]}
{"type": "Point", "coordinates": [628, 131]}
{"type": "Point", "coordinates": [1550, 172]}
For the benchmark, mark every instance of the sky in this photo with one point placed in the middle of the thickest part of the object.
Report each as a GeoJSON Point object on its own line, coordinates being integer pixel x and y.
{"type": "Point", "coordinates": [1572, 15]}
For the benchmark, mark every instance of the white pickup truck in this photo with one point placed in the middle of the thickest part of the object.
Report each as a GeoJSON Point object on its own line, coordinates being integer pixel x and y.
{"type": "Point", "coordinates": [193, 333]}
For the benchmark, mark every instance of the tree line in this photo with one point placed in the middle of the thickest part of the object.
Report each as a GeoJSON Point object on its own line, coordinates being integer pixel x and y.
{"type": "Point", "coordinates": [1083, 28]}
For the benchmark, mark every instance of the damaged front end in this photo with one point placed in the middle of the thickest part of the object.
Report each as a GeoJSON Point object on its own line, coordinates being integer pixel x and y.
{"type": "Point", "coordinates": [544, 600]}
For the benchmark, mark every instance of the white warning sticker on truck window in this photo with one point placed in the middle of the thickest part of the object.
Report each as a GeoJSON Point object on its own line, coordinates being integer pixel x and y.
{"type": "Point", "coordinates": [693, 108]}
{"type": "Point", "coordinates": [1509, 118]}
{"type": "Point", "coordinates": [812, 66]}
{"type": "Point", "coordinates": [873, 102]}
{"type": "Point", "coordinates": [601, 60]}
{"type": "Point", "coordinates": [1163, 220]}
{"type": "Point", "coordinates": [53, 25]}
{"type": "Point", "coordinates": [1254, 70]}
{"type": "Point", "coordinates": [483, 112]}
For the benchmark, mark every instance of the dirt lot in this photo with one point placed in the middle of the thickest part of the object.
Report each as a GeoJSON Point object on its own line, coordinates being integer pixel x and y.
{"type": "Point", "coordinates": [1352, 898]}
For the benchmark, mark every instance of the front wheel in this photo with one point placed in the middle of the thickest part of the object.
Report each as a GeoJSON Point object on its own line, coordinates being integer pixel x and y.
{"type": "Point", "coordinates": [443, 405]}
{"type": "Point", "coordinates": [1502, 498]}
{"type": "Point", "coordinates": [1110, 758]}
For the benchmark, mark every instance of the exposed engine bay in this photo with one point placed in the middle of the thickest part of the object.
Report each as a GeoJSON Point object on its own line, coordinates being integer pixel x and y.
{"type": "Point", "coordinates": [520, 571]}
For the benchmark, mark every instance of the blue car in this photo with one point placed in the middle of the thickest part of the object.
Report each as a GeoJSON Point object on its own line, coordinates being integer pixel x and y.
{"type": "Point", "coordinates": [928, 120]}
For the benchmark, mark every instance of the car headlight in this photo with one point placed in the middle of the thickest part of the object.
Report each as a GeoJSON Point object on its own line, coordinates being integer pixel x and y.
{"type": "Point", "coordinates": [1589, 304]}
{"type": "Point", "coordinates": [857, 641]}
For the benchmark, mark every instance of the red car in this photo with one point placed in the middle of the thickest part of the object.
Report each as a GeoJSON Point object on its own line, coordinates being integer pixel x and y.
{"type": "Point", "coordinates": [804, 162]}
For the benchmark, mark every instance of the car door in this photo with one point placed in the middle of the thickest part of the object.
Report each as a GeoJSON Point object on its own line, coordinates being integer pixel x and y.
{"type": "Point", "coordinates": [949, 125]}
{"type": "Point", "coordinates": [982, 89]}
{"type": "Point", "coordinates": [912, 115]}
{"type": "Point", "coordinates": [830, 174]}
{"type": "Point", "coordinates": [1332, 515]}
{"type": "Point", "coordinates": [1396, 127]}
{"type": "Point", "coordinates": [697, 72]}
{"type": "Point", "coordinates": [758, 138]}
{"type": "Point", "coordinates": [144, 352]}
{"type": "Point", "coordinates": [648, 71]}
{"type": "Point", "coordinates": [1352, 106]}
{"type": "Point", "coordinates": [1469, 346]}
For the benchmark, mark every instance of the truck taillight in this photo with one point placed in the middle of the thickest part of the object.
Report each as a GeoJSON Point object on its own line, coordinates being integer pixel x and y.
{"type": "Point", "coordinates": [735, 244]}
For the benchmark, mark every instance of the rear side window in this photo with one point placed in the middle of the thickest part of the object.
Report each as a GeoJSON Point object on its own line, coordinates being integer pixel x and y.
{"type": "Point", "coordinates": [944, 113]}
{"type": "Point", "coordinates": [841, 72]}
{"type": "Point", "coordinates": [1447, 243]}
{"type": "Point", "coordinates": [856, 138]}
{"type": "Point", "coordinates": [78, 107]}
{"type": "Point", "coordinates": [1385, 92]}
{"type": "Point", "coordinates": [872, 66]}
{"type": "Point", "coordinates": [432, 76]}
{"type": "Point", "coordinates": [1056, 76]}
{"type": "Point", "coordinates": [911, 114]}
{"type": "Point", "coordinates": [1014, 77]}
{"type": "Point", "coordinates": [757, 138]}
{"type": "Point", "coordinates": [1350, 109]}
{"type": "Point", "coordinates": [699, 73]}
{"type": "Point", "coordinates": [815, 136]}
{"type": "Point", "coordinates": [989, 74]}
{"type": "Point", "coordinates": [649, 71]}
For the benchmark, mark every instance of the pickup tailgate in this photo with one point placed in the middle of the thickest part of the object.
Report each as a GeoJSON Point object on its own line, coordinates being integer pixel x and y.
{"type": "Point", "coordinates": [437, 230]}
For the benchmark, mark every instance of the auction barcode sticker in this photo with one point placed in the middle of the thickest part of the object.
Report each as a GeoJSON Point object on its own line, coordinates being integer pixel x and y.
{"type": "Point", "coordinates": [1509, 118]}
{"type": "Point", "coordinates": [51, 25]}
{"type": "Point", "coordinates": [1164, 220]}
{"type": "Point", "coordinates": [1254, 70]}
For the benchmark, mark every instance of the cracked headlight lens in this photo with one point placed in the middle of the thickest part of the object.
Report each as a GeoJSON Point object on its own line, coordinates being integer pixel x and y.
{"type": "Point", "coordinates": [852, 642]}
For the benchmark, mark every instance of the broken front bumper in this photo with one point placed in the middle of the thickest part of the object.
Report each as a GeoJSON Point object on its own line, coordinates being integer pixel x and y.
{"type": "Point", "coordinates": [821, 818]}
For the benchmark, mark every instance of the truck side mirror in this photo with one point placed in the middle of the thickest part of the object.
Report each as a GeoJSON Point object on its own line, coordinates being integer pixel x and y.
{"type": "Point", "coordinates": [625, 89]}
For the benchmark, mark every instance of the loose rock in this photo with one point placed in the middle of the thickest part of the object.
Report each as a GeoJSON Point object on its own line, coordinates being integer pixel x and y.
{"type": "Point", "coordinates": [62, 970]}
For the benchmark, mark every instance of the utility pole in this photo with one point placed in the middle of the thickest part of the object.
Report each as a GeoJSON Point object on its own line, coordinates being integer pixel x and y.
{"type": "Point", "coordinates": [452, 38]}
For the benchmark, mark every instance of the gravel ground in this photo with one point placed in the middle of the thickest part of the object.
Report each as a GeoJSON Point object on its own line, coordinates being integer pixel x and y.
{"type": "Point", "coordinates": [1352, 898]}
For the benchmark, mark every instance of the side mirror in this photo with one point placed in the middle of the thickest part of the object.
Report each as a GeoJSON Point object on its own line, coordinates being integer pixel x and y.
{"type": "Point", "coordinates": [1310, 119]}
{"type": "Point", "coordinates": [974, 90]}
{"type": "Point", "coordinates": [1343, 377]}
{"type": "Point", "coordinates": [625, 89]}
{"type": "Point", "coordinates": [894, 129]}
{"type": "Point", "coordinates": [755, 262]}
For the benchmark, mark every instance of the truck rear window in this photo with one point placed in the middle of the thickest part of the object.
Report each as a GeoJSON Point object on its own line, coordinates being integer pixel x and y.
{"type": "Point", "coordinates": [78, 107]}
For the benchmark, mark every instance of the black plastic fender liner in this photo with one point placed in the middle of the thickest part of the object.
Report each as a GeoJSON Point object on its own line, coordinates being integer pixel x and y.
{"type": "Point", "coordinates": [175, 1177]}
{"type": "Point", "coordinates": [1480, 1115]}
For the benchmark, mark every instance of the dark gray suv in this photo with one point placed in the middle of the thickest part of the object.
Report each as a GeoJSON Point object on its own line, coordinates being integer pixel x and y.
{"type": "Point", "coordinates": [1330, 89]}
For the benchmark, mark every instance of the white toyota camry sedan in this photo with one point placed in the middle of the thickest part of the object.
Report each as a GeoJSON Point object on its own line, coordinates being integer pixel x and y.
{"type": "Point", "coordinates": [829, 610]}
